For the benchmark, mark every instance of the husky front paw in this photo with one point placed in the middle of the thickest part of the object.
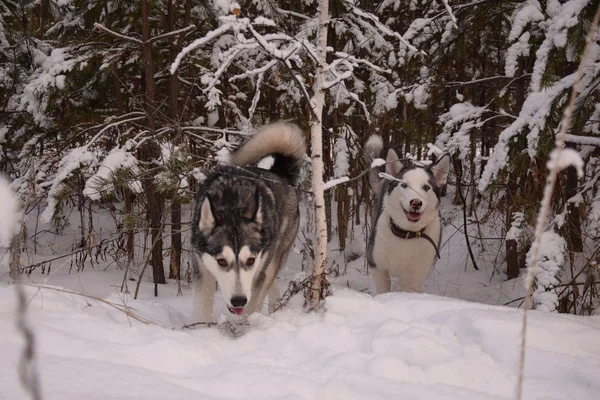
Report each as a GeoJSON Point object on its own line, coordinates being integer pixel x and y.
{"type": "Point", "coordinates": [233, 329]}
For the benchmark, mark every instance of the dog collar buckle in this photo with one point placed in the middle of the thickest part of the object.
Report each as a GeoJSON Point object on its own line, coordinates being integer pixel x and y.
{"type": "Point", "coordinates": [402, 234]}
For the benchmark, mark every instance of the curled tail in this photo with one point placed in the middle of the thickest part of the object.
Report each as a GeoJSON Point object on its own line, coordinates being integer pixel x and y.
{"type": "Point", "coordinates": [372, 150]}
{"type": "Point", "coordinates": [285, 142]}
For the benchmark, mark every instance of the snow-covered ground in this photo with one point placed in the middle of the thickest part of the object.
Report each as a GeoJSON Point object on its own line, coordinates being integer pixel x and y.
{"type": "Point", "coordinates": [410, 346]}
{"type": "Point", "coordinates": [391, 346]}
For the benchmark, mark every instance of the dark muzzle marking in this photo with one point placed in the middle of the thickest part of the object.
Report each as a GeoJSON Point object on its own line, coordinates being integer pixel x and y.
{"type": "Point", "coordinates": [403, 234]}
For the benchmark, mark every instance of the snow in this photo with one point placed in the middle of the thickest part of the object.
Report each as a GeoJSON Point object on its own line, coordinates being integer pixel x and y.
{"type": "Point", "coordinates": [556, 36]}
{"type": "Point", "coordinates": [74, 160]}
{"type": "Point", "coordinates": [516, 226]}
{"type": "Point", "coordinates": [566, 158]}
{"type": "Point", "coordinates": [550, 267]}
{"type": "Point", "coordinates": [334, 182]}
{"type": "Point", "coordinates": [10, 213]}
{"type": "Point", "coordinates": [199, 42]}
{"type": "Point", "coordinates": [516, 50]}
{"type": "Point", "coordinates": [528, 12]}
{"type": "Point", "coordinates": [593, 124]}
{"type": "Point", "coordinates": [341, 166]}
{"type": "Point", "coordinates": [464, 116]}
{"type": "Point", "coordinates": [50, 73]}
{"type": "Point", "coordinates": [377, 162]}
{"type": "Point", "coordinates": [533, 115]}
{"type": "Point", "coordinates": [117, 159]}
{"type": "Point", "coordinates": [419, 346]}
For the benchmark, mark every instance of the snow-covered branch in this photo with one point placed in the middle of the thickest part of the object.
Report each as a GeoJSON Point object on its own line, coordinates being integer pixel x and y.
{"type": "Point", "coordinates": [119, 36]}
{"type": "Point", "coordinates": [384, 29]}
{"type": "Point", "coordinates": [197, 43]}
{"type": "Point", "coordinates": [450, 13]}
{"type": "Point", "coordinates": [172, 33]}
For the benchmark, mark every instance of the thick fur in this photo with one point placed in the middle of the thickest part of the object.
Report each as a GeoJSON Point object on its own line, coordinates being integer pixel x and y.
{"type": "Point", "coordinates": [243, 215]}
{"type": "Point", "coordinates": [407, 261]}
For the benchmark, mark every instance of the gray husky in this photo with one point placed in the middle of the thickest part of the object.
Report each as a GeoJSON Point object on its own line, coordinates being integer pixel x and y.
{"type": "Point", "coordinates": [245, 221]}
{"type": "Point", "coordinates": [406, 224]}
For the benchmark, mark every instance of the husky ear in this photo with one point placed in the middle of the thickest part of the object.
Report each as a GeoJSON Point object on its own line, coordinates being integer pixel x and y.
{"type": "Point", "coordinates": [207, 219]}
{"type": "Point", "coordinates": [440, 170]}
{"type": "Point", "coordinates": [258, 214]}
{"type": "Point", "coordinates": [393, 166]}
{"type": "Point", "coordinates": [254, 213]}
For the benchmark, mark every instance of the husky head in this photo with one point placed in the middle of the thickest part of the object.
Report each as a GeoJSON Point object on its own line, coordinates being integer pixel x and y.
{"type": "Point", "coordinates": [233, 238]}
{"type": "Point", "coordinates": [412, 199]}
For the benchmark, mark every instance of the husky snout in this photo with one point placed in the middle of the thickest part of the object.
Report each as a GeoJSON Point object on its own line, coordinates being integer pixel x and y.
{"type": "Point", "coordinates": [239, 301]}
{"type": "Point", "coordinates": [415, 204]}
{"type": "Point", "coordinates": [237, 304]}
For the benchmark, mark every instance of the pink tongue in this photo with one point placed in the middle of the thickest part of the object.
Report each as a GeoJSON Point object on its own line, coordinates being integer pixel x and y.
{"type": "Point", "coordinates": [237, 310]}
{"type": "Point", "coordinates": [412, 216]}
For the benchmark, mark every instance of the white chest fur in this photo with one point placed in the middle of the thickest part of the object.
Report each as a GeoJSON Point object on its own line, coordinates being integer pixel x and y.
{"type": "Point", "coordinates": [408, 261]}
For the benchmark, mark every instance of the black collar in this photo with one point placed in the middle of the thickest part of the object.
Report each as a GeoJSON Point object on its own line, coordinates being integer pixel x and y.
{"type": "Point", "coordinates": [402, 234]}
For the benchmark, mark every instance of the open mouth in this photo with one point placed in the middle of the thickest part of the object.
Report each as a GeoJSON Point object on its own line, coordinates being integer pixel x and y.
{"type": "Point", "coordinates": [236, 310]}
{"type": "Point", "coordinates": [412, 216]}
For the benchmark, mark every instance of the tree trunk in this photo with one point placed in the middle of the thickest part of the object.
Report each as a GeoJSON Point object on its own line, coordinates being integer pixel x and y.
{"type": "Point", "coordinates": [175, 253]}
{"type": "Point", "coordinates": [319, 283]}
{"type": "Point", "coordinates": [575, 241]}
{"type": "Point", "coordinates": [151, 151]}
{"type": "Point", "coordinates": [15, 255]}
{"type": "Point", "coordinates": [128, 197]}
{"type": "Point", "coordinates": [512, 251]}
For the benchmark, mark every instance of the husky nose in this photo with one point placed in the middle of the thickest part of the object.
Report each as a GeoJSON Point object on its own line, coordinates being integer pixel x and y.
{"type": "Point", "coordinates": [238, 301]}
{"type": "Point", "coordinates": [416, 204]}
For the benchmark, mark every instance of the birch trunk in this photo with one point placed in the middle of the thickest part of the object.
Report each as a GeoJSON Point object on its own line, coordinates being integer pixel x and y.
{"type": "Point", "coordinates": [319, 283]}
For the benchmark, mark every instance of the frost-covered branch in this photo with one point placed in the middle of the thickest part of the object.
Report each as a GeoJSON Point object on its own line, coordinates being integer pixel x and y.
{"type": "Point", "coordinates": [119, 36]}
{"type": "Point", "coordinates": [215, 130]}
{"type": "Point", "coordinates": [556, 36]}
{"type": "Point", "coordinates": [384, 29]}
{"type": "Point", "coordinates": [585, 140]}
{"type": "Point", "coordinates": [224, 65]}
{"type": "Point", "coordinates": [450, 13]}
{"type": "Point", "coordinates": [256, 96]}
{"type": "Point", "coordinates": [480, 80]}
{"type": "Point", "coordinates": [112, 125]}
{"type": "Point", "coordinates": [197, 43]}
{"type": "Point", "coordinates": [257, 71]}
{"type": "Point", "coordinates": [172, 33]}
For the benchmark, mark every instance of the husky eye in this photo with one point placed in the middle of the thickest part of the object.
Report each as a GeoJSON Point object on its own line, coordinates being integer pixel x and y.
{"type": "Point", "coordinates": [250, 261]}
{"type": "Point", "coordinates": [403, 185]}
{"type": "Point", "coordinates": [426, 188]}
{"type": "Point", "coordinates": [222, 262]}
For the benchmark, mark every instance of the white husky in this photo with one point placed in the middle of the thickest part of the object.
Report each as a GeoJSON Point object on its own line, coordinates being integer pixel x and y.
{"type": "Point", "coordinates": [406, 224]}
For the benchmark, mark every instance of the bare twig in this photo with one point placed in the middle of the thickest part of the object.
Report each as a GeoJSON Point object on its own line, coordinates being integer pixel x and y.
{"type": "Point", "coordinates": [147, 260]}
{"type": "Point", "coordinates": [294, 287]}
{"type": "Point", "coordinates": [209, 324]}
{"type": "Point", "coordinates": [27, 364]}
{"type": "Point", "coordinates": [120, 307]}
{"type": "Point", "coordinates": [464, 208]}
